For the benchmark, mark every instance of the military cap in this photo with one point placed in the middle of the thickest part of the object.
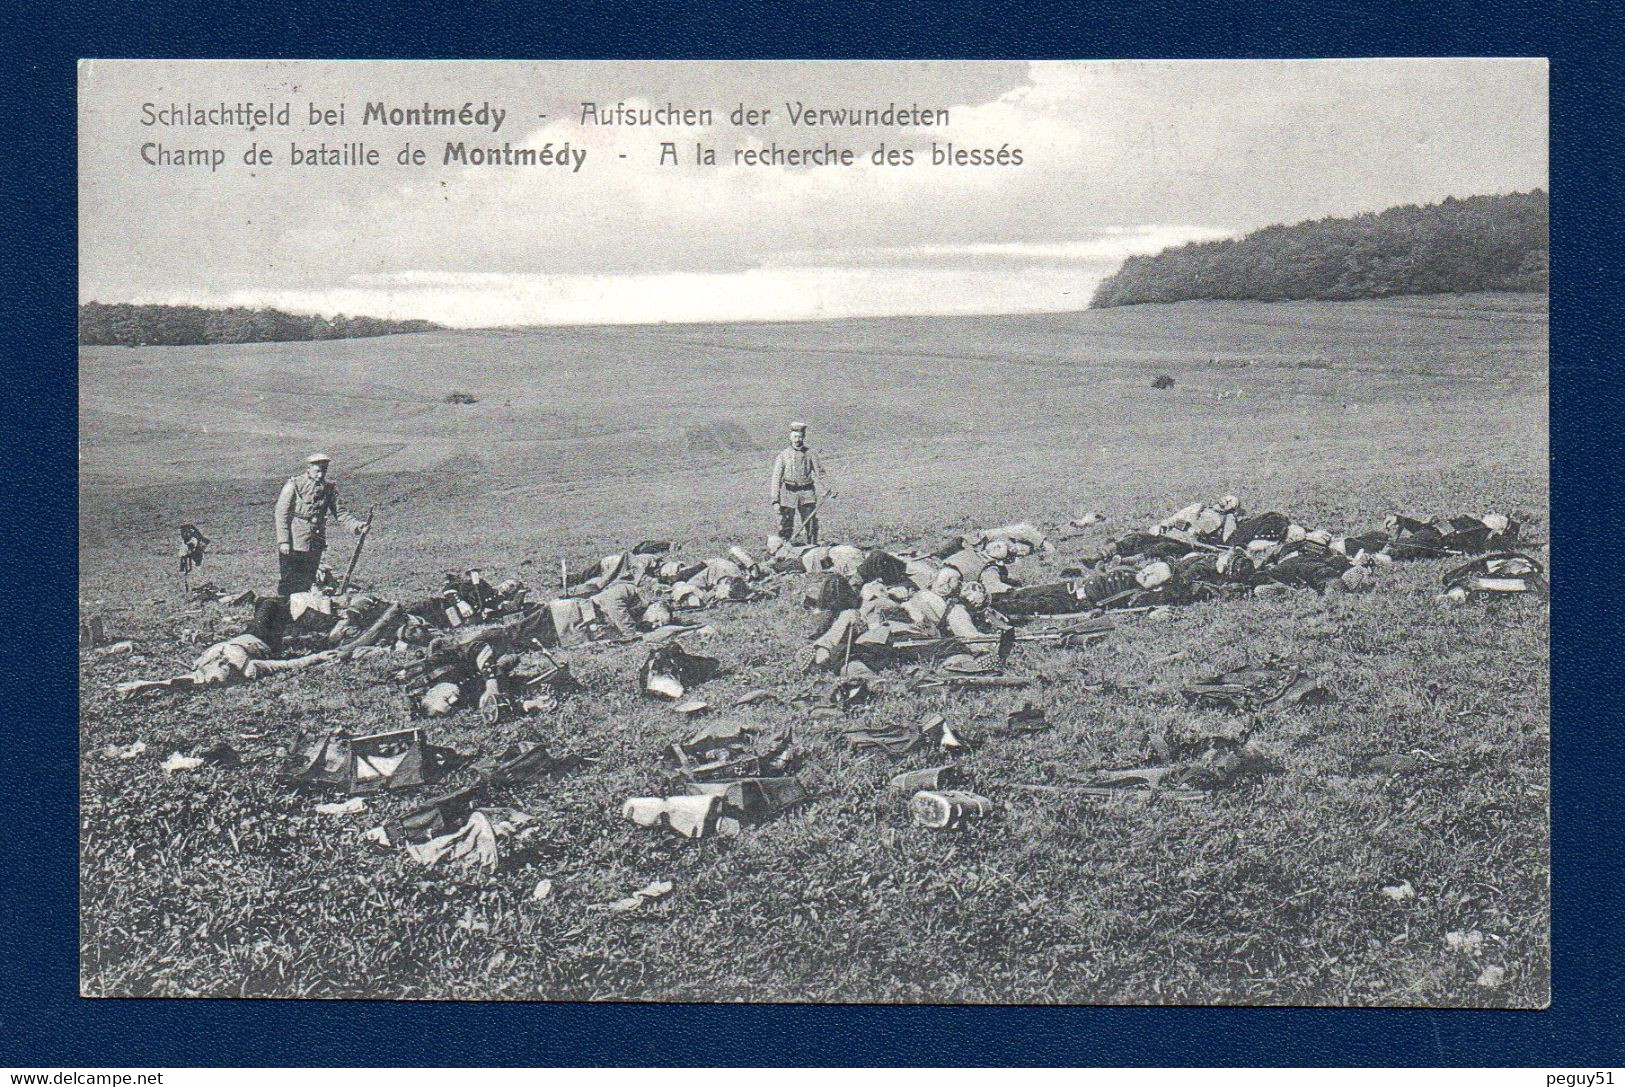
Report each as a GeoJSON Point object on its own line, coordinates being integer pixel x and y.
{"type": "Point", "coordinates": [318, 458]}
{"type": "Point", "coordinates": [798, 425]}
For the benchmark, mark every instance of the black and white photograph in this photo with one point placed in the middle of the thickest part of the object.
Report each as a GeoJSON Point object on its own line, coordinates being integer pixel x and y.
{"type": "Point", "coordinates": [835, 532]}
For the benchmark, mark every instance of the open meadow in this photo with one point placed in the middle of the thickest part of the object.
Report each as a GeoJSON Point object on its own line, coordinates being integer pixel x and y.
{"type": "Point", "coordinates": [220, 882]}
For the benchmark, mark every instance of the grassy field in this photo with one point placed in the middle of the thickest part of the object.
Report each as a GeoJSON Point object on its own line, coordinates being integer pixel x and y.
{"type": "Point", "coordinates": [220, 882]}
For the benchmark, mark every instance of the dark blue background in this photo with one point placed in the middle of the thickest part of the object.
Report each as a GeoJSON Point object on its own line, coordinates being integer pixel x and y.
{"type": "Point", "coordinates": [43, 1022]}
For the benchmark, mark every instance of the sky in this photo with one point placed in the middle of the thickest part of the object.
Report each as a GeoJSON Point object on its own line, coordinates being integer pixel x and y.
{"type": "Point", "coordinates": [1117, 158]}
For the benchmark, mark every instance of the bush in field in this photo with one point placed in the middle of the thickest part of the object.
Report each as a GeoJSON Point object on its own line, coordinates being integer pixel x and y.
{"type": "Point", "coordinates": [459, 397]}
{"type": "Point", "coordinates": [1163, 381]}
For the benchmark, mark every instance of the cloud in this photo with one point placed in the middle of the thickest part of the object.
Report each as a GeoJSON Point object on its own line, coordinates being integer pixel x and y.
{"type": "Point", "coordinates": [1118, 158]}
{"type": "Point", "coordinates": [475, 299]}
{"type": "Point", "coordinates": [979, 278]}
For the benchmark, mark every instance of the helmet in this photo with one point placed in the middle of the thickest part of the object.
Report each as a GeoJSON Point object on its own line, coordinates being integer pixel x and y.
{"type": "Point", "coordinates": [1153, 574]}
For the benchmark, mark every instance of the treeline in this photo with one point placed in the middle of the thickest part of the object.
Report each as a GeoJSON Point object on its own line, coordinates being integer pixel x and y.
{"type": "Point", "coordinates": [134, 325]}
{"type": "Point", "coordinates": [1482, 243]}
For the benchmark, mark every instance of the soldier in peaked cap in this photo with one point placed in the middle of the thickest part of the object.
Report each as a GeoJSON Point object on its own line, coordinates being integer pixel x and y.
{"type": "Point", "coordinates": [302, 510]}
{"type": "Point", "coordinates": [798, 477]}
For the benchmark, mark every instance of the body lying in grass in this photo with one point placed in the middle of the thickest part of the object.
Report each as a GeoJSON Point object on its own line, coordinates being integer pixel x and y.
{"type": "Point", "coordinates": [239, 659]}
{"type": "Point", "coordinates": [888, 618]}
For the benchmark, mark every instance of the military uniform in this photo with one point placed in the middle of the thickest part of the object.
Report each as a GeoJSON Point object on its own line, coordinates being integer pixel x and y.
{"type": "Point", "coordinates": [302, 510]}
{"type": "Point", "coordinates": [797, 476]}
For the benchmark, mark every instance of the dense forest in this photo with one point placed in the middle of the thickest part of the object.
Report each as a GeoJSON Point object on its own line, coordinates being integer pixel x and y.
{"type": "Point", "coordinates": [1482, 243]}
{"type": "Point", "coordinates": [133, 325]}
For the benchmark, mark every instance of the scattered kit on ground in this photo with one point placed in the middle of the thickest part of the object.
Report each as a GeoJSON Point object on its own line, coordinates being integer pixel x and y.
{"type": "Point", "coordinates": [942, 618]}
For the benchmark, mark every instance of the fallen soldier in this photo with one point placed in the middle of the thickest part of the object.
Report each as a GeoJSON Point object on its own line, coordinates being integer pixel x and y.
{"type": "Point", "coordinates": [987, 564]}
{"type": "Point", "coordinates": [1155, 543]}
{"type": "Point", "coordinates": [715, 581]}
{"type": "Point", "coordinates": [633, 566]}
{"type": "Point", "coordinates": [1197, 528]}
{"type": "Point", "coordinates": [1410, 538]}
{"type": "Point", "coordinates": [1374, 543]}
{"type": "Point", "coordinates": [1209, 523]}
{"type": "Point", "coordinates": [1155, 583]}
{"type": "Point", "coordinates": [1309, 563]}
{"type": "Point", "coordinates": [878, 629]}
{"type": "Point", "coordinates": [317, 621]}
{"type": "Point", "coordinates": [1271, 526]}
{"type": "Point", "coordinates": [1020, 539]}
{"type": "Point", "coordinates": [500, 667]}
{"type": "Point", "coordinates": [1508, 572]}
{"type": "Point", "coordinates": [1217, 573]}
{"type": "Point", "coordinates": [241, 659]}
{"type": "Point", "coordinates": [738, 564]}
{"type": "Point", "coordinates": [844, 559]}
{"type": "Point", "coordinates": [622, 610]}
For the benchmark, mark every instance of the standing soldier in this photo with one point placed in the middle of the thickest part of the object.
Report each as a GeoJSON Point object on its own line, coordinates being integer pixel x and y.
{"type": "Point", "coordinates": [798, 477]}
{"type": "Point", "coordinates": [302, 509]}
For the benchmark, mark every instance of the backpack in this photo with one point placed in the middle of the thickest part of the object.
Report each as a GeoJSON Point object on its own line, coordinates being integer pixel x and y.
{"type": "Point", "coordinates": [403, 759]}
{"type": "Point", "coordinates": [1501, 572]}
{"type": "Point", "coordinates": [830, 592]}
{"type": "Point", "coordinates": [880, 566]}
{"type": "Point", "coordinates": [669, 671]}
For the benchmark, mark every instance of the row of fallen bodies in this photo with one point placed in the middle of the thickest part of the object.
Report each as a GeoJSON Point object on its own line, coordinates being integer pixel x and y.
{"type": "Point", "coordinates": [485, 643]}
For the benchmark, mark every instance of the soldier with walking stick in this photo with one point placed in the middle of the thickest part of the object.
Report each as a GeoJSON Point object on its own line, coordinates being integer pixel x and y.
{"type": "Point", "coordinates": [302, 510]}
{"type": "Point", "coordinates": [798, 479]}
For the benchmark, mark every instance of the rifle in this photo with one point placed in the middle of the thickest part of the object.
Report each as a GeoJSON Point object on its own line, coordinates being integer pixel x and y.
{"type": "Point", "coordinates": [1093, 626]}
{"type": "Point", "coordinates": [796, 535]}
{"type": "Point", "coordinates": [355, 557]}
{"type": "Point", "coordinates": [1105, 792]}
{"type": "Point", "coordinates": [975, 681]}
